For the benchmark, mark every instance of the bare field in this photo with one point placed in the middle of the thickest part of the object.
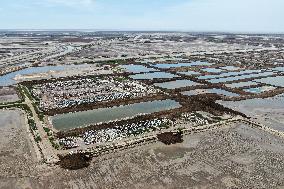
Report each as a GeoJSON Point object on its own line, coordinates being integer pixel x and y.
{"type": "Point", "coordinates": [240, 157]}
{"type": "Point", "coordinates": [234, 157]}
{"type": "Point", "coordinates": [8, 94]}
{"type": "Point", "coordinates": [17, 156]}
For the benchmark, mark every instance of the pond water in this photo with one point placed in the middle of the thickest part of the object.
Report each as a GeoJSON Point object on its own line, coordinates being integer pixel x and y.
{"type": "Point", "coordinates": [212, 70]}
{"type": "Point", "coordinates": [214, 91]}
{"type": "Point", "coordinates": [189, 73]}
{"type": "Point", "coordinates": [230, 68]}
{"type": "Point", "coordinates": [176, 84]}
{"type": "Point", "coordinates": [177, 65]}
{"type": "Point", "coordinates": [228, 74]}
{"type": "Point", "coordinates": [7, 79]}
{"type": "Point", "coordinates": [136, 68]}
{"type": "Point", "coordinates": [281, 69]}
{"type": "Point", "coordinates": [154, 75]}
{"type": "Point", "coordinates": [241, 84]}
{"type": "Point", "coordinates": [258, 90]}
{"type": "Point", "coordinates": [235, 78]}
{"type": "Point", "coordinates": [90, 117]}
{"type": "Point", "coordinates": [268, 111]}
{"type": "Point", "coordinates": [276, 81]}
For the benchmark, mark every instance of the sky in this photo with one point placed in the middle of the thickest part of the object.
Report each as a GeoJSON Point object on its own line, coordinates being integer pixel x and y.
{"type": "Point", "coordinates": [254, 16]}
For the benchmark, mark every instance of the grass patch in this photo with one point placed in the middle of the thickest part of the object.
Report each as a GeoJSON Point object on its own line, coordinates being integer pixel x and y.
{"type": "Point", "coordinates": [38, 139]}
{"type": "Point", "coordinates": [53, 143]}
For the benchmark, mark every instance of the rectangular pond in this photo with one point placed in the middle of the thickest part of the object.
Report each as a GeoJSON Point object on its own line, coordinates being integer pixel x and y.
{"type": "Point", "coordinates": [276, 81]}
{"type": "Point", "coordinates": [136, 68]}
{"type": "Point", "coordinates": [268, 111]}
{"type": "Point", "coordinates": [90, 117]}
{"type": "Point", "coordinates": [212, 70]}
{"type": "Point", "coordinates": [241, 84]}
{"type": "Point", "coordinates": [228, 74]}
{"type": "Point", "coordinates": [176, 84]}
{"type": "Point", "coordinates": [230, 68]}
{"type": "Point", "coordinates": [189, 73]}
{"type": "Point", "coordinates": [154, 75]}
{"type": "Point", "coordinates": [281, 69]}
{"type": "Point", "coordinates": [258, 90]}
{"type": "Point", "coordinates": [210, 91]}
{"type": "Point", "coordinates": [240, 77]}
{"type": "Point", "coordinates": [178, 65]}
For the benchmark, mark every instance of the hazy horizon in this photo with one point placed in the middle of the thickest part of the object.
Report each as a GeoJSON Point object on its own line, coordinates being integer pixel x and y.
{"type": "Point", "coordinates": [217, 16]}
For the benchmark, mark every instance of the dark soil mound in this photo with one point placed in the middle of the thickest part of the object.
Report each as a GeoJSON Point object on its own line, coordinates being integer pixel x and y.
{"type": "Point", "coordinates": [170, 138]}
{"type": "Point", "coordinates": [75, 161]}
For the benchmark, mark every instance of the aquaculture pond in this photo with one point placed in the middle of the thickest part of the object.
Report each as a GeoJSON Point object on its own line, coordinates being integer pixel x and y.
{"type": "Point", "coordinates": [212, 91]}
{"type": "Point", "coordinates": [176, 84]}
{"type": "Point", "coordinates": [258, 90]}
{"type": "Point", "coordinates": [136, 68]}
{"type": "Point", "coordinates": [276, 81]}
{"type": "Point", "coordinates": [154, 75]}
{"type": "Point", "coordinates": [85, 118]}
{"type": "Point", "coordinates": [281, 69]}
{"type": "Point", "coordinates": [235, 78]}
{"type": "Point", "coordinates": [228, 74]}
{"type": "Point", "coordinates": [230, 68]}
{"type": "Point", "coordinates": [189, 73]}
{"type": "Point", "coordinates": [178, 65]}
{"type": "Point", "coordinates": [268, 111]}
{"type": "Point", "coordinates": [8, 79]}
{"type": "Point", "coordinates": [241, 84]}
{"type": "Point", "coordinates": [212, 70]}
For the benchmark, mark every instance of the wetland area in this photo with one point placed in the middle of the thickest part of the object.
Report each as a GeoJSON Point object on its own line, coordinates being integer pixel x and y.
{"type": "Point", "coordinates": [139, 110]}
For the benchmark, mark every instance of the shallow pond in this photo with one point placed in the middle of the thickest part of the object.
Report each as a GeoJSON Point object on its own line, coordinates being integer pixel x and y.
{"type": "Point", "coordinates": [214, 91]}
{"type": "Point", "coordinates": [154, 75]}
{"type": "Point", "coordinates": [268, 111]}
{"type": "Point", "coordinates": [85, 118]}
{"type": "Point", "coordinates": [235, 78]}
{"type": "Point", "coordinates": [212, 70]}
{"type": "Point", "coordinates": [176, 84]}
{"type": "Point", "coordinates": [241, 84]}
{"type": "Point", "coordinates": [258, 90]}
{"type": "Point", "coordinates": [230, 68]}
{"type": "Point", "coordinates": [281, 69]}
{"type": "Point", "coordinates": [228, 74]}
{"type": "Point", "coordinates": [136, 68]}
{"type": "Point", "coordinates": [189, 73]}
{"type": "Point", "coordinates": [276, 81]}
{"type": "Point", "coordinates": [178, 65]}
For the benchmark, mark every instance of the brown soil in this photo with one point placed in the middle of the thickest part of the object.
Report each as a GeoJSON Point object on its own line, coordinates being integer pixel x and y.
{"type": "Point", "coordinates": [170, 138]}
{"type": "Point", "coordinates": [75, 161]}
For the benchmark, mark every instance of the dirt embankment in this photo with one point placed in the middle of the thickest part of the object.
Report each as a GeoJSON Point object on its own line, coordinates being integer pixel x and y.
{"type": "Point", "coordinates": [204, 102]}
